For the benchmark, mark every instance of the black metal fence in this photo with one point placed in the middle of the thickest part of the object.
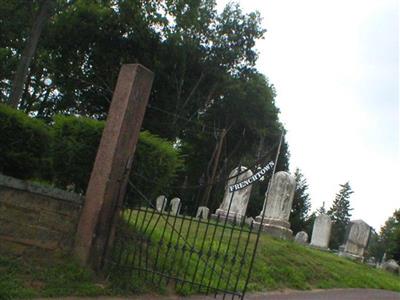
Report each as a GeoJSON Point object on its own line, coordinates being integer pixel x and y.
{"type": "Point", "coordinates": [158, 246]}
{"type": "Point", "coordinates": [205, 254]}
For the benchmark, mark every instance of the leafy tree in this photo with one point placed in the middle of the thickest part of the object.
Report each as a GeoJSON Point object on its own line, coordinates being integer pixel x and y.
{"type": "Point", "coordinates": [340, 215]}
{"type": "Point", "coordinates": [204, 65]}
{"type": "Point", "coordinates": [376, 247]}
{"type": "Point", "coordinates": [390, 236]}
{"type": "Point", "coordinates": [301, 204]}
{"type": "Point", "coordinates": [44, 12]}
{"type": "Point", "coordinates": [16, 18]}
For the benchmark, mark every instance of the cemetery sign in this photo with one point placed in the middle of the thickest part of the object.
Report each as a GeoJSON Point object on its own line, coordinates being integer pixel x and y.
{"type": "Point", "coordinates": [252, 179]}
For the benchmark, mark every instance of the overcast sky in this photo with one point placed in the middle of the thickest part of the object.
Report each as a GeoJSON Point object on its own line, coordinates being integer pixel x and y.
{"type": "Point", "coordinates": [335, 66]}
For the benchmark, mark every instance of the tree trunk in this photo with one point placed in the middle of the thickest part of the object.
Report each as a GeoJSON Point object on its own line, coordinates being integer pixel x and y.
{"type": "Point", "coordinates": [29, 52]}
{"type": "Point", "coordinates": [210, 180]}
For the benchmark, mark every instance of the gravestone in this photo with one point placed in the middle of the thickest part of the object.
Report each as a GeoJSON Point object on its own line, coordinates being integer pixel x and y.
{"type": "Point", "coordinates": [277, 206]}
{"type": "Point", "coordinates": [234, 203]}
{"type": "Point", "coordinates": [175, 206]}
{"type": "Point", "coordinates": [161, 203]}
{"type": "Point", "coordinates": [249, 221]}
{"type": "Point", "coordinates": [357, 240]}
{"type": "Point", "coordinates": [301, 237]}
{"type": "Point", "coordinates": [202, 212]}
{"type": "Point", "coordinates": [321, 231]}
{"type": "Point", "coordinates": [371, 261]}
{"type": "Point", "coordinates": [391, 266]}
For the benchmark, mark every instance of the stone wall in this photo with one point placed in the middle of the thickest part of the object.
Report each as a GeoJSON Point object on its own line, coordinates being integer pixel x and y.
{"type": "Point", "coordinates": [35, 217]}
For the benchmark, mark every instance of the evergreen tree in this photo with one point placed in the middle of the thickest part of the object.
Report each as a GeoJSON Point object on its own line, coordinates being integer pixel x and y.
{"type": "Point", "coordinates": [340, 215]}
{"type": "Point", "coordinates": [301, 204]}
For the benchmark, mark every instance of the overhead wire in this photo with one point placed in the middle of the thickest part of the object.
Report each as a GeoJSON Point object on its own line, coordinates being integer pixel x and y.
{"type": "Point", "coordinates": [255, 164]}
{"type": "Point", "coordinates": [151, 106]}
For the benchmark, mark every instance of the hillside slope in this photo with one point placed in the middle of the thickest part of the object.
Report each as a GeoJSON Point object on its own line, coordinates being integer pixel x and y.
{"type": "Point", "coordinates": [278, 265]}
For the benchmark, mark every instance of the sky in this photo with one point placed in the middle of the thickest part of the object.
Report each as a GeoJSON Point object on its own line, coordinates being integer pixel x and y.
{"type": "Point", "coordinates": [335, 66]}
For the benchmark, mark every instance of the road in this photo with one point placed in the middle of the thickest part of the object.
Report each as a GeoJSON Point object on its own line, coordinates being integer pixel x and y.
{"type": "Point", "coordinates": [333, 294]}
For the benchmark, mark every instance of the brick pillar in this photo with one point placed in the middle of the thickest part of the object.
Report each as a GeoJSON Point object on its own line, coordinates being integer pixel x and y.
{"type": "Point", "coordinates": [107, 185]}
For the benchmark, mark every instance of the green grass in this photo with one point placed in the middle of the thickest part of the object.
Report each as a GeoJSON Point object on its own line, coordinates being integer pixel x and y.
{"type": "Point", "coordinates": [278, 265]}
{"type": "Point", "coordinates": [34, 277]}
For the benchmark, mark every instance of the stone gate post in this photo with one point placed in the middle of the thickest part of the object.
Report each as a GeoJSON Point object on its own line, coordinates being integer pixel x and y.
{"type": "Point", "coordinates": [108, 180]}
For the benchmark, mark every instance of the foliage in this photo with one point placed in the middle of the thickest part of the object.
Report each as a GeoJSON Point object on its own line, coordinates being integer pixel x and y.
{"type": "Point", "coordinates": [203, 61]}
{"type": "Point", "coordinates": [64, 152]}
{"type": "Point", "coordinates": [45, 10]}
{"type": "Point", "coordinates": [76, 140]}
{"type": "Point", "coordinates": [340, 215]}
{"type": "Point", "coordinates": [246, 109]}
{"type": "Point", "coordinates": [301, 204]}
{"type": "Point", "coordinates": [322, 209]}
{"type": "Point", "coordinates": [74, 149]}
{"type": "Point", "coordinates": [390, 236]}
{"type": "Point", "coordinates": [376, 247]}
{"type": "Point", "coordinates": [155, 165]}
{"type": "Point", "coordinates": [309, 224]}
{"type": "Point", "coordinates": [16, 19]}
{"type": "Point", "coordinates": [24, 144]}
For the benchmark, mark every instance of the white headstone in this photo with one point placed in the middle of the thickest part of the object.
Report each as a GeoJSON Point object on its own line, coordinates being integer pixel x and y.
{"type": "Point", "coordinates": [392, 266]}
{"type": "Point", "coordinates": [357, 239]}
{"type": "Point", "coordinates": [278, 204]}
{"type": "Point", "coordinates": [301, 237]}
{"type": "Point", "coordinates": [202, 212]}
{"type": "Point", "coordinates": [175, 206]}
{"type": "Point", "coordinates": [249, 221]}
{"type": "Point", "coordinates": [234, 203]}
{"type": "Point", "coordinates": [321, 231]}
{"type": "Point", "coordinates": [161, 203]}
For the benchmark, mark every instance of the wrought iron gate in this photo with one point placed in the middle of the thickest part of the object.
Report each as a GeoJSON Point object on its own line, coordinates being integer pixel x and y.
{"type": "Point", "coordinates": [194, 254]}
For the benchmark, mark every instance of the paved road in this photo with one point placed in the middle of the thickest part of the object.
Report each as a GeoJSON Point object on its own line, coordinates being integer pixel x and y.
{"type": "Point", "coordinates": [334, 294]}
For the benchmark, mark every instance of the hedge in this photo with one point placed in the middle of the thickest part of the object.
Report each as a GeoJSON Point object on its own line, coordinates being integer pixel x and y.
{"type": "Point", "coordinates": [155, 165]}
{"type": "Point", "coordinates": [76, 140]}
{"type": "Point", "coordinates": [24, 145]}
{"type": "Point", "coordinates": [75, 143]}
{"type": "Point", "coordinates": [63, 153]}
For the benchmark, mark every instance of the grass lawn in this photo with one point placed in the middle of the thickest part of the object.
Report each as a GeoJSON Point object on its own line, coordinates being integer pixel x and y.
{"type": "Point", "coordinates": [278, 265]}
{"type": "Point", "coordinates": [46, 277]}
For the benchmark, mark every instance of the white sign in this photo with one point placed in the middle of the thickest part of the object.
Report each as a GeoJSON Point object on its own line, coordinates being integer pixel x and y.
{"type": "Point", "coordinates": [252, 179]}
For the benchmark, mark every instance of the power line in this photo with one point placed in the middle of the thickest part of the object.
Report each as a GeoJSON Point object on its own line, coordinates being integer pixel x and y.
{"type": "Point", "coordinates": [224, 180]}
{"type": "Point", "coordinates": [182, 118]}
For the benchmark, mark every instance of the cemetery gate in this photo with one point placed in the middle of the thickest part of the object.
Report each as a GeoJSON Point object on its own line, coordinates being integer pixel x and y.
{"type": "Point", "coordinates": [171, 242]}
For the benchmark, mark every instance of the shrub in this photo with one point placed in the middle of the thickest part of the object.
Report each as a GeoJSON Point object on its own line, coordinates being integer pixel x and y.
{"type": "Point", "coordinates": [24, 144]}
{"type": "Point", "coordinates": [75, 143]}
{"type": "Point", "coordinates": [155, 165]}
{"type": "Point", "coordinates": [76, 140]}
